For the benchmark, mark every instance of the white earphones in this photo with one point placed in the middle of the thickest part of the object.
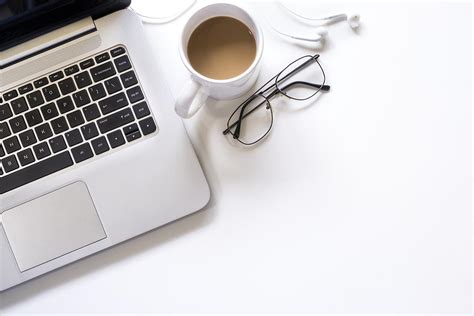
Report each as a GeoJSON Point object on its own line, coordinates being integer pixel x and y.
{"type": "Point", "coordinates": [321, 33]}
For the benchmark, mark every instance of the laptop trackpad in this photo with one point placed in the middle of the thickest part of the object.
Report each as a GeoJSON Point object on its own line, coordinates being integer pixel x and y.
{"type": "Point", "coordinates": [52, 225]}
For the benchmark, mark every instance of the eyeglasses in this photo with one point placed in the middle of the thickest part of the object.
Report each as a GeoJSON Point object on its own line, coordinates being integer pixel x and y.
{"type": "Point", "coordinates": [301, 80]}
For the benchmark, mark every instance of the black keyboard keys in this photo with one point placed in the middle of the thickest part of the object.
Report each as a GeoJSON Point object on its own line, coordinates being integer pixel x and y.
{"type": "Point", "coordinates": [131, 132]}
{"type": "Point", "coordinates": [27, 138]}
{"type": "Point", "coordinates": [81, 98]}
{"type": "Point", "coordinates": [71, 70]}
{"type": "Point", "coordinates": [9, 164]}
{"type": "Point", "coordinates": [117, 51]}
{"type": "Point", "coordinates": [5, 112]}
{"type": "Point", "coordinates": [11, 144]}
{"type": "Point", "coordinates": [82, 79]}
{"type": "Point", "coordinates": [33, 117]}
{"type": "Point", "coordinates": [73, 137]}
{"type": "Point", "coordinates": [35, 171]}
{"type": "Point", "coordinates": [141, 110]}
{"type": "Point", "coordinates": [26, 88]}
{"type": "Point", "coordinates": [57, 144]}
{"type": "Point", "coordinates": [41, 150]}
{"type": "Point", "coordinates": [87, 63]}
{"type": "Point", "coordinates": [91, 112]}
{"type": "Point", "coordinates": [65, 104]}
{"type": "Point", "coordinates": [103, 71]}
{"type": "Point", "coordinates": [75, 118]}
{"type": "Point", "coordinates": [43, 131]}
{"type": "Point", "coordinates": [122, 63]}
{"type": "Point", "coordinates": [59, 125]}
{"type": "Point", "coordinates": [115, 120]}
{"type": "Point", "coordinates": [17, 124]}
{"type": "Point", "coordinates": [26, 157]}
{"type": "Point", "coordinates": [82, 152]}
{"type": "Point", "coordinates": [89, 131]}
{"type": "Point", "coordinates": [35, 98]}
{"type": "Point", "coordinates": [10, 95]}
{"type": "Point", "coordinates": [19, 105]}
{"type": "Point", "coordinates": [56, 76]}
{"type": "Point", "coordinates": [100, 145]}
{"type": "Point", "coordinates": [66, 86]}
{"type": "Point", "coordinates": [102, 57]}
{"type": "Point", "coordinates": [135, 94]}
{"type": "Point", "coordinates": [51, 92]}
{"type": "Point", "coordinates": [128, 79]}
{"type": "Point", "coordinates": [112, 85]}
{"type": "Point", "coordinates": [49, 111]}
{"type": "Point", "coordinates": [116, 139]}
{"type": "Point", "coordinates": [113, 103]}
{"type": "Point", "coordinates": [4, 130]}
{"type": "Point", "coordinates": [147, 126]}
{"type": "Point", "coordinates": [40, 82]}
{"type": "Point", "coordinates": [97, 91]}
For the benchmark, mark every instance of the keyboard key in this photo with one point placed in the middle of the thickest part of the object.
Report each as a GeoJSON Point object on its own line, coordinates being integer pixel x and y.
{"type": "Point", "coordinates": [35, 98]}
{"type": "Point", "coordinates": [117, 51]}
{"type": "Point", "coordinates": [40, 82]}
{"type": "Point", "coordinates": [27, 138]}
{"type": "Point", "coordinates": [100, 145]}
{"type": "Point", "coordinates": [91, 112]}
{"type": "Point", "coordinates": [122, 63]}
{"type": "Point", "coordinates": [71, 70]}
{"type": "Point", "coordinates": [128, 79]}
{"type": "Point", "coordinates": [97, 91]}
{"type": "Point", "coordinates": [43, 131]}
{"type": "Point", "coordinates": [33, 117]}
{"type": "Point", "coordinates": [102, 57]}
{"type": "Point", "coordinates": [135, 94]}
{"type": "Point", "coordinates": [17, 124]}
{"type": "Point", "coordinates": [82, 152]}
{"type": "Point", "coordinates": [26, 88]}
{"type": "Point", "coordinates": [116, 120]}
{"type": "Point", "coordinates": [116, 139]}
{"type": "Point", "coordinates": [75, 118]}
{"type": "Point", "coordinates": [26, 157]}
{"type": "Point", "coordinates": [65, 105]}
{"type": "Point", "coordinates": [35, 171]}
{"type": "Point", "coordinates": [2, 151]}
{"type": "Point", "coordinates": [41, 150]}
{"type": "Point", "coordinates": [51, 92]}
{"type": "Point", "coordinates": [147, 126]}
{"type": "Point", "coordinates": [73, 137]}
{"type": "Point", "coordinates": [11, 144]}
{"type": "Point", "coordinates": [9, 164]}
{"type": "Point", "coordinates": [133, 136]}
{"type": "Point", "coordinates": [19, 105]}
{"type": "Point", "coordinates": [59, 125]}
{"type": "Point", "coordinates": [81, 98]}
{"type": "Point", "coordinates": [57, 144]}
{"type": "Point", "coordinates": [113, 103]}
{"type": "Point", "coordinates": [113, 85]}
{"type": "Point", "coordinates": [56, 76]}
{"type": "Point", "coordinates": [89, 131]}
{"type": "Point", "coordinates": [4, 130]}
{"type": "Point", "coordinates": [141, 110]}
{"type": "Point", "coordinates": [66, 86]}
{"type": "Point", "coordinates": [49, 111]}
{"type": "Point", "coordinates": [87, 64]}
{"type": "Point", "coordinates": [83, 79]}
{"type": "Point", "coordinates": [10, 95]}
{"type": "Point", "coordinates": [5, 112]}
{"type": "Point", "coordinates": [130, 129]}
{"type": "Point", "coordinates": [103, 71]}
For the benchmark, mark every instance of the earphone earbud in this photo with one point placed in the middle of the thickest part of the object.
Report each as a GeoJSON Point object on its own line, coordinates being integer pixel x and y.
{"type": "Point", "coordinates": [353, 20]}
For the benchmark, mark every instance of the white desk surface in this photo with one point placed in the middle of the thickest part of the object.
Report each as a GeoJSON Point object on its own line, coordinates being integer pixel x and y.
{"type": "Point", "coordinates": [358, 203]}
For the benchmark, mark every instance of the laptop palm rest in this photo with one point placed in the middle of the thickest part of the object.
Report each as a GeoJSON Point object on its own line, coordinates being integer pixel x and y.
{"type": "Point", "coordinates": [52, 225]}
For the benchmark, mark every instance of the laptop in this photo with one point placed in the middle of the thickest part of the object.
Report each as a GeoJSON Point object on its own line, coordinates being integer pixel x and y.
{"type": "Point", "coordinates": [91, 151]}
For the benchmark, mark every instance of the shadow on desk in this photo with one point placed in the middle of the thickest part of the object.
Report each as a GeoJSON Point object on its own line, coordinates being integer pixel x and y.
{"type": "Point", "coordinates": [151, 240]}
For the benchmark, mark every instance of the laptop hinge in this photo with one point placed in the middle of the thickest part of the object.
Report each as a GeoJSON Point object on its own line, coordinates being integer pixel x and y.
{"type": "Point", "coordinates": [47, 41]}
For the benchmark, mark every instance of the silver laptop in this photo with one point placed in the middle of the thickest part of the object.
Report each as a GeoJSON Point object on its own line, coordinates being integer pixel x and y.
{"type": "Point", "coordinates": [91, 151]}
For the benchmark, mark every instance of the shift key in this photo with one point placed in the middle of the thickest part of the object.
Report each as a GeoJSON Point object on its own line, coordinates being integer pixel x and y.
{"type": "Point", "coordinates": [115, 120]}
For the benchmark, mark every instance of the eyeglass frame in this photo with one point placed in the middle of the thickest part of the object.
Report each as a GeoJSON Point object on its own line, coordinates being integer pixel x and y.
{"type": "Point", "coordinates": [277, 90]}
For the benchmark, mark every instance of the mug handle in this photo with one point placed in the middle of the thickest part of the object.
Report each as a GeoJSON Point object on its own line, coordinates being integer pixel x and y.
{"type": "Point", "coordinates": [191, 98]}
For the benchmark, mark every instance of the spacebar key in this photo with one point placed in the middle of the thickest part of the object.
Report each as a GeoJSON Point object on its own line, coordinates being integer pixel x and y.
{"type": "Point", "coordinates": [35, 172]}
{"type": "Point", "coordinates": [115, 120]}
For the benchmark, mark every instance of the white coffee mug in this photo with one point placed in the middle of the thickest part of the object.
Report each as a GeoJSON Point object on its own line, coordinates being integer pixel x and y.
{"type": "Point", "coordinates": [196, 91]}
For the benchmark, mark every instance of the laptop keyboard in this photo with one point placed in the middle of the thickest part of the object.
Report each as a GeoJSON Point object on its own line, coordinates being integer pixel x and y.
{"type": "Point", "coordinates": [70, 116]}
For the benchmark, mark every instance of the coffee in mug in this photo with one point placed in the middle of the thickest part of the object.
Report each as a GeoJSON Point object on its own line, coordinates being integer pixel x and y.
{"type": "Point", "coordinates": [221, 48]}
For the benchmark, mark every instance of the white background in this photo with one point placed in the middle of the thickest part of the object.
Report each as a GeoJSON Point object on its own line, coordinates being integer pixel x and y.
{"type": "Point", "coordinates": [360, 202]}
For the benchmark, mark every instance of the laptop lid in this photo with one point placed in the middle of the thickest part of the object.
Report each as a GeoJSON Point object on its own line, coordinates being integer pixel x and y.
{"type": "Point", "coordinates": [22, 20]}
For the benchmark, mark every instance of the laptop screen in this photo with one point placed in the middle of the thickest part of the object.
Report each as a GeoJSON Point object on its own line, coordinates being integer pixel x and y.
{"type": "Point", "coordinates": [21, 20]}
